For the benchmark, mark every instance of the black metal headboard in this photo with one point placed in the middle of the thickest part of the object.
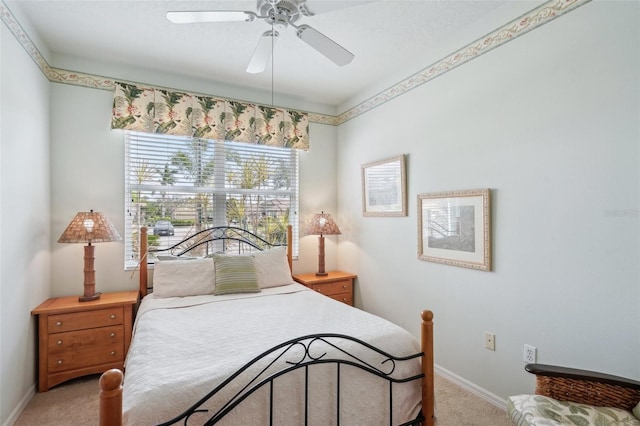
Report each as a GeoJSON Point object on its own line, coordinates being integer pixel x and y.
{"type": "Point", "coordinates": [218, 239]}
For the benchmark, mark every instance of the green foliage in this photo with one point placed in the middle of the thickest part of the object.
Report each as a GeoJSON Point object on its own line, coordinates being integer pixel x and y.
{"type": "Point", "coordinates": [123, 122]}
{"type": "Point", "coordinates": [198, 163]}
{"type": "Point", "coordinates": [202, 131]}
{"type": "Point", "coordinates": [183, 222]}
{"type": "Point", "coordinates": [131, 92]}
{"type": "Point", "coordinates": [268, 113]}
{"type": "Point", "coordinates": [153, 240]}
{"type": "Point", "coordinates": [165, 127]}
{"type": "Point", "coordinates": [207, 103]}
{"type": "Point", "coordinates": [152, 212]}
{"type": "Point", "coordinates": [275, 229]}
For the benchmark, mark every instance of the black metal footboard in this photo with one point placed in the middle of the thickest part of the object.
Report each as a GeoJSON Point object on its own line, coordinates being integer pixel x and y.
{"type": "Point", "coordinates": [336, 349]}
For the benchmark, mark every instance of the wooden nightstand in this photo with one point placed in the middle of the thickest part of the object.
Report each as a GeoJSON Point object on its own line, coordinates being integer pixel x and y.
{"type": "Point", "coordinates": [79, 338]}
{"type": "Point", "coordinates": [337, 285]}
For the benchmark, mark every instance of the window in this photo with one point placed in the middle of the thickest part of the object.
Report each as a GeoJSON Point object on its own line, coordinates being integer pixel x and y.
{"type": "Point", "coordinates": [177, 186]}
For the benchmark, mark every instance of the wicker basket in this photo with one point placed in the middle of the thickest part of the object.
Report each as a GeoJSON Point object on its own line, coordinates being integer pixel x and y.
{"type": "Point", "coordinates": [587, 392]}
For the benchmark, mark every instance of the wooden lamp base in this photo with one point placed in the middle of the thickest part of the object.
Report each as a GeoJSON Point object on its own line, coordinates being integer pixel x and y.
{"type": "Point", "coordinates": [94, 296]}
{"type": "Point", "coordinates": [321, 272]}
{"type": "Point", "coordinates": [89, 276]}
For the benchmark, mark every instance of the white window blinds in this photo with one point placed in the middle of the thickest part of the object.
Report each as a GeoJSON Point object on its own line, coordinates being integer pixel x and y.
{"type": "Point", "coordinates": [177, 186]}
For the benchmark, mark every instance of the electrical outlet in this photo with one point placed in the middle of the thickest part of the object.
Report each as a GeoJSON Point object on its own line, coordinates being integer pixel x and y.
{"type": "Point", "coordinates": [529, 354]}
{"type": "Point", "coordinates": [489, 340]}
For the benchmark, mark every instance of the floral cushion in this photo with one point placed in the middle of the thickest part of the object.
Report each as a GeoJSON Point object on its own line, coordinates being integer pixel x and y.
{"type": "Point", "coordinates": [543, 411]}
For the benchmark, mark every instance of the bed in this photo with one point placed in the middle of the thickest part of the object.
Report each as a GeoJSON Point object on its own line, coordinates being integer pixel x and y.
{"type": "Point", "coordinates": [280, 354]}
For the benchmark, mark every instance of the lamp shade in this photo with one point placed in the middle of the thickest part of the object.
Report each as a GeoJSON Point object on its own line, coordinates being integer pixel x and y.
{"type": "Point", "coordinates": [322, 224]}
{"type": "Point", "coordinates": [90, 227]}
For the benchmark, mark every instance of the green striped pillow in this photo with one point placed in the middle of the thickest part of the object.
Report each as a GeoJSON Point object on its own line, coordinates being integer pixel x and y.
{"type": "Point", "coordinates": [235, 274]}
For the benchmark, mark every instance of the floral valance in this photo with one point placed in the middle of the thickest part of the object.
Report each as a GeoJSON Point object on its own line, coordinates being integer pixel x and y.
{"type": "Point", "coordinates": [154, 110]}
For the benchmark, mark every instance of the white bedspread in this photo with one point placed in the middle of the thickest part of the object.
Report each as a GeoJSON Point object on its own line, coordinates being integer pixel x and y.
{"type": "Point", "coordinates": [183, 347]}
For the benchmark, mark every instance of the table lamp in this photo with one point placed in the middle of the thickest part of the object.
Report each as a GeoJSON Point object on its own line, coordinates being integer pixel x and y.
{"type": "Point", "coordinates": [322, 224]}
{"type": "Point", "coordinates": [89, 227]}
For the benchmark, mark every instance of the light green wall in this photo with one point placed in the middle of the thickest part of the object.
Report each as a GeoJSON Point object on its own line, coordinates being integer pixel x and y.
{"type": "Point", "coordinates": [24, 221]}
{"type": "Point", "coordinates": [551, 123]}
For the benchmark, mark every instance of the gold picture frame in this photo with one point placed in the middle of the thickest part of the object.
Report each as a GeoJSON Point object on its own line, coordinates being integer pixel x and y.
{"type": "Point", "coordinates": [454, 228]}
{"type": "Point", "coordinates": [384, 187]}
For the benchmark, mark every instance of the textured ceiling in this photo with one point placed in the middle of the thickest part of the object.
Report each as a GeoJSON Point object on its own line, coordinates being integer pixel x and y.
{"type": "Point", "coordinates": [390, 39]}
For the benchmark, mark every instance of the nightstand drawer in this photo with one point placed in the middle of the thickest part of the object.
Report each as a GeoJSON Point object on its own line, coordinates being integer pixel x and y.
{"type": "Point", "coordinates": [336, 287]}
{"type": "Point", "coordinates": [85, 320]}
{"type": "Point", "coordinates": [343, 297]}
{"type": "Point", "coordinates": [77, 340]}
{"type": "Point", "coordinates": [78, 349]}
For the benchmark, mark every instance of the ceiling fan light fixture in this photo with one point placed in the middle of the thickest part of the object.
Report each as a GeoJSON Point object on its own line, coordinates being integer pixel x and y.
{"type": "Point", "coordinates": [323, 44]}
{"type": "Point", "coordinates": [262, 53]}
{"type": "Point", "coordinates": [190, 17]}
{"type": "Point", "coordinates": [279, 15]}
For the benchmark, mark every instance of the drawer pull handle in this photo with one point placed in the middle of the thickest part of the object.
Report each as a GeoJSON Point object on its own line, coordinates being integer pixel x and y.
{"type": "Point", "coordinates": [112, 316]}
{"type": "Point", "coordinates": [113, 353]}
{"type": "Point", "coordinates": [59, 362]}
{"type": "Point", "coordinates": [344, 286]}
{"type": "Point", "coordinates": [113, 334]}
{"type": "Point", "coordinates": [59, 323]}
{"type": "Point", "coordinates": [59, 342]}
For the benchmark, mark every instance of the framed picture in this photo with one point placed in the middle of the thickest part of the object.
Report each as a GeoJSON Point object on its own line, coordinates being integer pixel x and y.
{"type": "Point", "coordinates": [384, 189]}
{"type": "Point", "coordinates": [454, 228]}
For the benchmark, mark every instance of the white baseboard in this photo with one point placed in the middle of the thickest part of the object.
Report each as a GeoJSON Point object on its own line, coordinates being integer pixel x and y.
{"type": "Point", "coordinates": [13, 417]}
{"type": "Point", "coordinates": [471, 387]}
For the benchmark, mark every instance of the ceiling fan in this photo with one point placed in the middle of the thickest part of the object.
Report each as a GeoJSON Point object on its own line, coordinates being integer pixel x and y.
{"type": "Point", "coordinates": [279, 14]}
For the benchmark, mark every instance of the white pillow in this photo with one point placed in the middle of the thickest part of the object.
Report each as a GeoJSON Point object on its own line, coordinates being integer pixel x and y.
{"type": "Point", "coordinates": [178, 278]}
{"type": "Point", "coordinates": [272, 267]}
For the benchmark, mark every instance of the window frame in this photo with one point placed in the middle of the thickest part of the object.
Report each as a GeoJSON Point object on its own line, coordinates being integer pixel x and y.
{"type": "Point", "coordinates": [215, 186]}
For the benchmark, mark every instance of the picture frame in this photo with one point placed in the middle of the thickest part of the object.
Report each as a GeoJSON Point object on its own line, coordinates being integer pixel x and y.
{"type": "Point", "coordinates": [454, 228]}
{"type": "Point", "coordinates": [384, 187]}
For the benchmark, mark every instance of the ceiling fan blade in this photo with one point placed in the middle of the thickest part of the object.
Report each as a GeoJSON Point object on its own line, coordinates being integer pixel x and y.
{"type": "Point", "coordinates": [316, 7]}
{"type": "Point", "coordinates": [191, 17]}
{"type": "Point", "coordinates": [324, 45]}
{"type": "Point", "coordinates": [262, 53]}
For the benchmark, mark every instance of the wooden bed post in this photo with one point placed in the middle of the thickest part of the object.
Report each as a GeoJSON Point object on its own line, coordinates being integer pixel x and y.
{"type": "Point", "coordinates": [428, 396]}
{"type": "Point", "coordinates": [143, 261]}
{"type": "Point", "coordinates": [111, 398]}
{"type": "Point", "coordinates": [290, 247]}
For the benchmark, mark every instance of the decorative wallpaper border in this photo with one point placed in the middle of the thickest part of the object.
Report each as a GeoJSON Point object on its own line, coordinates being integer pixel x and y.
{"type": "Point", "coordinates": [519, 26]}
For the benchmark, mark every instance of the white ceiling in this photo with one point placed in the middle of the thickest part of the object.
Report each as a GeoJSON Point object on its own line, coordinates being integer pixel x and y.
{"type": "Point", "coordinates": [391, 39]}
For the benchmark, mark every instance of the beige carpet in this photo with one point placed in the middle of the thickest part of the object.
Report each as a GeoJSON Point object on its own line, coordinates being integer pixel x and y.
{"type": "Point", "coordinates": [76, 403]}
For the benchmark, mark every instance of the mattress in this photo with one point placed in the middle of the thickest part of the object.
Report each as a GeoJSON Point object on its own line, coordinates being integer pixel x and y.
{"type": "Point", "coordinates": [183, 347]}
